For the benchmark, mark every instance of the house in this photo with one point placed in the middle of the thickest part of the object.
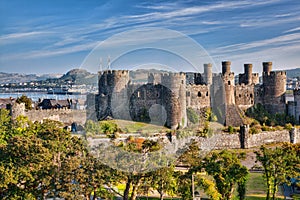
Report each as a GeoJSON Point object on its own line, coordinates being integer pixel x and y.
{"type": "Point", "coordinates": [6, 103]}
{"type": "Point", "coordinates": [55, 104]}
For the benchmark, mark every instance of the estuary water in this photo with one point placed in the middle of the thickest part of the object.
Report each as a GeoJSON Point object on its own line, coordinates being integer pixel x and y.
{"type": "Point", "coordinates": [35, 96]}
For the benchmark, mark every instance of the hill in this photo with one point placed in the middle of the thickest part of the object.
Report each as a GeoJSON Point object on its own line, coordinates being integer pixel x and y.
{"type": "Point", "coordinates": [22, 78]}
{"type": "Point", "coordinates": [293, 73]}
{"type": "Point", "coordinates": [82, 76]}
{"type": "Point", "coordinates": [79, 76]}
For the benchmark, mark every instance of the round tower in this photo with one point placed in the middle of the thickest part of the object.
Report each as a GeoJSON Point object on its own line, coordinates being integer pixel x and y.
{"type": "Point", "coordinates": [207, 73]}
{"type": "Point", "coordinates": [248, 73]}
{"type": "Point", "coordinates": [176, 82]}
{"type": "Point", "coordinates": [226, 67]}
{"type": "Point", "coordinates": [275, 83]}
{"type": "Point", "coordinates": [267, 67]}
{"type": "Point", "coordinates": [297, 104]}
{"type": "Point", "coordinates": [274, 86]}
{"type": "Point", "coordinates": [112, 92]}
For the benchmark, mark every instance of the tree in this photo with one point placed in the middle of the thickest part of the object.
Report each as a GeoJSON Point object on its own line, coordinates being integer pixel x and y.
{"type": "Point", "coordinates": [164, 181]}
{"type": "Point", "coordinates": [26, 100]}
{"type": "Point", "coordinates": [24, 161]}
{"type": "Point", "coordinates": [279, 163]}
{"type": "Point", "coordinates": [226, 169]}
{"type": "Point", "coordinates": [5, 126]}
{"type": "Point", "coordinates": [42, 160]}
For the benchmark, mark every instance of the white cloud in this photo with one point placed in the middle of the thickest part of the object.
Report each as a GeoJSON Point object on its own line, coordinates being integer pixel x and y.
{"type": "Point", "coordinates": [50, 52]}
{"type": "Point", "coordinates": [292, 30]}
{"type": "Point", "coordinates": [13, 37]}
{"type": "Point", "coordinates": [283, 40]}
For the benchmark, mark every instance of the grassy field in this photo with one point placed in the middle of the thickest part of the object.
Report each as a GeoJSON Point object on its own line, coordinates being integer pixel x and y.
{"type": "Point", "coordinates": [133, 127]}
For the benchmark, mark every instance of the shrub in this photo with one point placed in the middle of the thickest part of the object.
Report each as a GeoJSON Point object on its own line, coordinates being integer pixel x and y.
{"type": "Point", "coordinates": [288, 126]}
{"type": "Point", "coordinates": [254, 130]}
{"type": "Point", "coordinates": [108, 127]}
{"type": "Point", "coordinates": [192, 116]}
{"type": "Point", "coordinates": [265, 118]}
{"type": "Point", "coordinates": [266, 128]}
{"type": "Point", "coordinates": [230, 129]}
{"type": "Point", "coordinates": [26, 100]}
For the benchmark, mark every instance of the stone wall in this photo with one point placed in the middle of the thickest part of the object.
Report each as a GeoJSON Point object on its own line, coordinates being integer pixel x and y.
{"type": "Point", "coordinates": [244, 95]}
{"type": "Point", "coordinates": [246, 140]}
{"type": "Point", "coordinates": [198, 96]}
{"type": "Point", "coordinates": [252, 140]}
{"type": "Point", "coordinates": [66, 116]}
{"type": "Point", "coordinates": [268, 137]}
{"type": "Point", "coordinates": [227, 141]}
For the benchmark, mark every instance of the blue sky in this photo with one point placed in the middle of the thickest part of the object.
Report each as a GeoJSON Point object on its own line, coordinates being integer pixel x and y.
{"type": "Point", "coordinates": [55, 36]}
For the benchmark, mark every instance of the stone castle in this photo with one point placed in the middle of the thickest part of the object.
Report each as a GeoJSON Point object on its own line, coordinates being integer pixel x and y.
{"type": "Point", "coordinates": [167, 96]}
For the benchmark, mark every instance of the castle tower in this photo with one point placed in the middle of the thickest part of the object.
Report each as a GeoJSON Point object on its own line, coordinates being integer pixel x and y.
{"type": "Point", "coordinates": [297, 104]}
{"type": "Point", "coordinates": [112, 96]}
{"type": "Point", "coordinates": [207, 76]}
{"type": "Point", "coordinates": [226, 67]}
{"type": "Point", "coordinates": [198, 79]}
{"type": "Point", "coordinates": [274, 88]}
{"type": "Point", "coordinates": [248, 73]}
{"type": "Point", "coordinates": [176, 82]}
{"type": "Point", "coordinates": [228, 79]}
{"type": "Point", "coordinates": [267, 67]}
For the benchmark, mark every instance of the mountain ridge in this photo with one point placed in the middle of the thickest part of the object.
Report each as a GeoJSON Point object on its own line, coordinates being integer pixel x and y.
{"type": "Point", "coordinates": [81, 76]}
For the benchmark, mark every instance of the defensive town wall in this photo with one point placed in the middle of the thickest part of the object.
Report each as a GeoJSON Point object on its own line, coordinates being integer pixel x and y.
{"type": "Point", "coordinates": [66, 116]}
{"type": "Point", "coordinates": [245, 140]}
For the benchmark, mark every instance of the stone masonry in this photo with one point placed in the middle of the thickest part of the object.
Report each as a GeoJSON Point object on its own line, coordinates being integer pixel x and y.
{"type": "Point", "coordinates": [175, 92]}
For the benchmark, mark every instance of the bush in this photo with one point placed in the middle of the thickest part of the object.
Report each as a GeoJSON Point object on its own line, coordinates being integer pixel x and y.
{"type": "Point", "coordinates": [254, 130]}
{"type": "Point", "coordinates": [266, 128]}
{"type": "Point", "coordinates": [26, 100]}
{"type": "Point", "coordinates": [265, 118]}
{"type": "Point", "coordinates": [230, 129]}
{"type": "Point", "coordinates": [288, 126]}
{"type": "Point", "coordinates": [192, 116]}
{"type": "Point", "coordinates": [108, 127]}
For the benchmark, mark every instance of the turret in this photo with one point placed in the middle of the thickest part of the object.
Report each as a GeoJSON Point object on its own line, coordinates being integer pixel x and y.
{"type": "Point", "coordinates": [267, 67]}
{"type": "Point", "coordinates": [226, 67]}
{"type": "Point", "coordinates": [112, 92]}
{"type": "Point", "coordinates": [248, 73]}
{"type": "Point", "coordinates": [228, 80]}
{"type": "Point", "coordinates": [207, 73]}
{"type": "Point", "coordinates": [176, 82]}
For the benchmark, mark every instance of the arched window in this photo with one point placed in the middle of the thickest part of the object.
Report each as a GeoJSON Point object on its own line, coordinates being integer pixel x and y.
{"type": "Point", "coordinates": [229, 83]}
{"type": "Point", "coordinates": [199, 94]}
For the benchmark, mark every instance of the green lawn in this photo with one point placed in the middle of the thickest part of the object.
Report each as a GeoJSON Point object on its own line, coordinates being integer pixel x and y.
{"type": "Point", "coordinates": [132, 127]}
{"type": "Point", "coordinates": [256, 188]}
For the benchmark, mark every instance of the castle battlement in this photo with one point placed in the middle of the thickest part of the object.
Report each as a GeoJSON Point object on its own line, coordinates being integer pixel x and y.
{"type": "Point", "coordinates": [277, 73]}
{"type": "Point", "coordinates": [173, 75]}
{"type": "Point", "coordinates": [109, 71]}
